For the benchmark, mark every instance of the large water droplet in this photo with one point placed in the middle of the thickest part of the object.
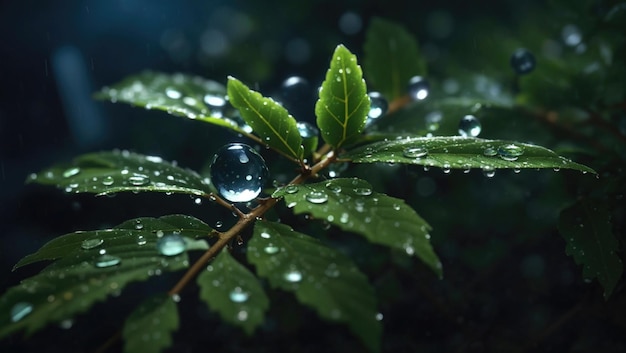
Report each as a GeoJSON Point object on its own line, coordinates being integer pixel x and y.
{"type": "Point", "coordinates": [291, 189]}
{"type": "Point", "coordinates": [316, 197]}
{"type": "Point", "coordinates": [418, 88]}
{"type": "Point", "coordinates": [523, 61]}
{"type": "Point", "coordinates": [306, 130]}
{"type": "Point", "coordinates": [415, 152]}
{"type": "Point", "coordinates": [293, 276]}
{"type": "Point", "coordinates": [139, 180]}
{"type": "Point", "coordinates": [107, 260]}
{"type": "Point", "coordinates": [510, 152]}
{"type": "Point", "coordinates": [271, 249]}
{"type": "Point", "coordinates": [171, 245]}
{"type": "Point", "coordinates": [469, 126]}
{"type": "Point", "coordinates": [378, 107]}
{"type": "Point", "coordinates": [91, 243]}
{"type": "Point", "coordinates": [238, 295]}
{"type": "Point", "coordinates": [489, 171]}
{"type": "Point", "coordinates": [238, 172]}
{"type": "Point", "coordinates": [71, 172]}
{"type": "Point", "coordinates": [20, 310]}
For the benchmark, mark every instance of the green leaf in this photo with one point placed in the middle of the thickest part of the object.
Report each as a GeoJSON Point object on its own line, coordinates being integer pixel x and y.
{"type": "Point", "coordinates": [391, 58]}
{"type": "Point", "coordinates": [268, 119]}
{"type": "Point", "coordinates": [454, 152]}
{"type": "Point", "coordinates": [92, 265]}
{"type": "Point", "coordinates": [321, 278]}
{"type": "Point", "coordinates": [586, 227]}
{"type": "Point", "coordinates": [343, 102]}
{"type": "Point", "coordinates": [126, 235]}
{"type": "Point", "coordinates": [105, 173]}
{"type": "Point", "coordinates": [178, 94]}
{"type": "Point", "coordinates": [353, 206]}
{"type": "Point", "coordinates": [230, 289]}
{"type": "Point", "coordinates": [150, 326]}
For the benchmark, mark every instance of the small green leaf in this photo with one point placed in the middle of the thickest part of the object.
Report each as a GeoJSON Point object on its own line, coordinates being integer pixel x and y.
{"type": "Point", "coordinates": [454, 152]}
{"type": "Point", "coordinates": [230, 289]}
{"type": "Point", "coordinates": [105, 173]}
{"type": "Point", "coordinates": [352, 205]}
{"type": "Point", "coordinates": [150, 326]}
{"type": "Point", "coordinates": [92, 265]}
{"type": "Point", "coordinates": [268, 119]}
{"type": "Point", "coordinates": [343, 102]}
{"type": "Point", "coordinates": [586, 227]}
{"type": "Point", "coordinates": [321, 278]}
{"type": "Point", "coordinates": [178, 94]}
{"type": "Point", "coordinates": [126, 235]}
{"type": "Point", "coordinates": [391, 58]}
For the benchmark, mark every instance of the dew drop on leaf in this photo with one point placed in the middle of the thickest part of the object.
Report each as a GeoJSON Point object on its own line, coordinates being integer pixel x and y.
{"type": "Point", "coordinates": [316, 197]}
{"type": "Point", "coordinates": [238, 172]}
{"type": "Point", "coordinates": [238, 295]}
{"type": "Point", "coordinates": [415, 152]}
{"type": "Point", "coordinates": [68, 173]}
{"type": "Point", "coordinates": [108, 180]}
{"type": "Point", "coordinates": [418, 88]}
{"type": "Point", "coordinates": [20, 310]}
{"type": "Point", "coordinates": [469, 126]}
{"type": "Point", "coordinates": [91, 243]}
{"type": "Point", "coordinates": [141, 240]}
{"type": "Point", "coordinates": [171, 245]}
{"type": "Point", "coordinates": [332, 271]}
{"type": "Point", "coordinates": [107, 260]}
{"type": "Point", "coordinates": [571, 35]}
{"type": "Point", "coordinates": [523, 61]}
{"type": "Point", "coordinates": [363, 191]}
{"type": "Point", "coordinates": [333, 187]}
{"type": "Point", "coordinates": [510, 152]}
{"type": "Point", "coordinates": [173, 93]}
{"type": "Point", "coordinates": [271, 249]}
{"type": "Point", "coordinates": [293, 276]}
{"type": "Point", "coordinates": [490, 152]}
{"type": "Point", "coordinates": [291, 189]}
{"type": "Point", "coordinates": [488, 171]}
{"type": "Point", "coordinates": [265, 235]}
{"type": "Point", "coordinates": [139, 180]}
{"type": "Point", "coordinates": [306, 130]}
{"type": "Point", "coordinates": [242, 315]}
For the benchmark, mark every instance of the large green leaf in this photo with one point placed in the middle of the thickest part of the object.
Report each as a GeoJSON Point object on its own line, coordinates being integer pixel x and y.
{"type": "Point", "coordinates": [352, 205]}
{"type": "Point", "coordinates": [268, 119]}
{"type": "Point", "coordinates": [183, 95]}
{"type": "Point", "coordinates": [110, 172]}
{"type": "Point", "coordinates": [149, 327]}
{"type": "Point", "coordinates": [454, 152]}
{"type": "Point", "coordinates": [586, 227]}
{"type": "Point", "coordinates": [94, 264]}
{"type": "Point", "coordinates": [391, 58]}
{"type": "Point", "coordinates": [321, 278]}
{"type": "Point", "coordinates": [234, 292]}
{"type": "Point", "coordinates": [343, 102]}
{"type": "Point", "coordinates": [128, 234]}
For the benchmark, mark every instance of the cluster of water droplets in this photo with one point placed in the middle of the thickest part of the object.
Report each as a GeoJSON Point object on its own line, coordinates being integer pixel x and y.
{"type": "Point", "coordinates": [238, 172]}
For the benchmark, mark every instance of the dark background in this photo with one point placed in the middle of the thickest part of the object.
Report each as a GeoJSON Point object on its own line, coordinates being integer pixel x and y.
{"type": "Point", "coordinates": [509, 285]}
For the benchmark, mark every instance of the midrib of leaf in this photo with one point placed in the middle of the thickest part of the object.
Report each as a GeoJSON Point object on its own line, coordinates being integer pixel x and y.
{"type": "Point", "coordinates": [250, 106]}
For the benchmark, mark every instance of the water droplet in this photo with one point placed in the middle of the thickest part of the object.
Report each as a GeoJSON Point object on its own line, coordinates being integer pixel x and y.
{"type": "Point", "coordinates": [571, 35]}
{"type": "Point", "coordinates": [523, 61]}
{"type": "Point", "coordinates": [446, 168]}
{"type": "Point", "coordinates": [271, 249]}
{"type": "Point", "coordinates": [108, 180]}
{"type": "Point", "coordinates": [107, 260]}
{"type": "Point", "coordinates": [378, 107]}
{"type": "Point", "coordinates": [219, 224]}
{"type": "Point", "coordinates": [68, 173]}
{"type": "Point", "coordinates": [363, 191]}
{"type": "Point", "coordinates": [171, 244]}
{"type": "Point", "coordinates": [306, 130]}
{"type": "Point", "coordinates": [418, 88]}
{"type": "Point", "coordinates": [316, 197]}
{"type": "Point", "coordinates": [379, 316]}
{"type": "Point", "coordinates": [265, 235]}
{"type": "Point", "coordinates": [141, 240]}
{"type": "Point", "coordinates": [344, 218]}
{"type": "Point", "coordinates": [469, 126]}
{"type": "Point", "coordinates": [242, 315]}
{"type": "Point", "coordinates": [20, 310]}
{"type": "Point", "coordinates": [333, 187]}
{"type": "Point", "coordinates": [293, 276]}
{"type": "Point", "coordinates": [173, 93]}
{"type": "Point", "coordinates": [291, 189]}
{"type": "Point", "coordinates": [238, 295]}
{"type": "Point", "coordinates": [231, 165]}
{"type": "Point", "coordinates": [415, 152]}
{"type": "Point", "coordinates": [91, 243]}
{"type": "Point", "coordinates": [139, 180]}
{"type": "Point", "coordinates": [490, 151]}
{"type": "Point", "coordinates": [332, 271]}
{"type": "Point", "coordinates": [138, 225]}
{"type": "Point", "coordinates": [488, 171]}
{"type": "Point", "coordinates": [510, 152]}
